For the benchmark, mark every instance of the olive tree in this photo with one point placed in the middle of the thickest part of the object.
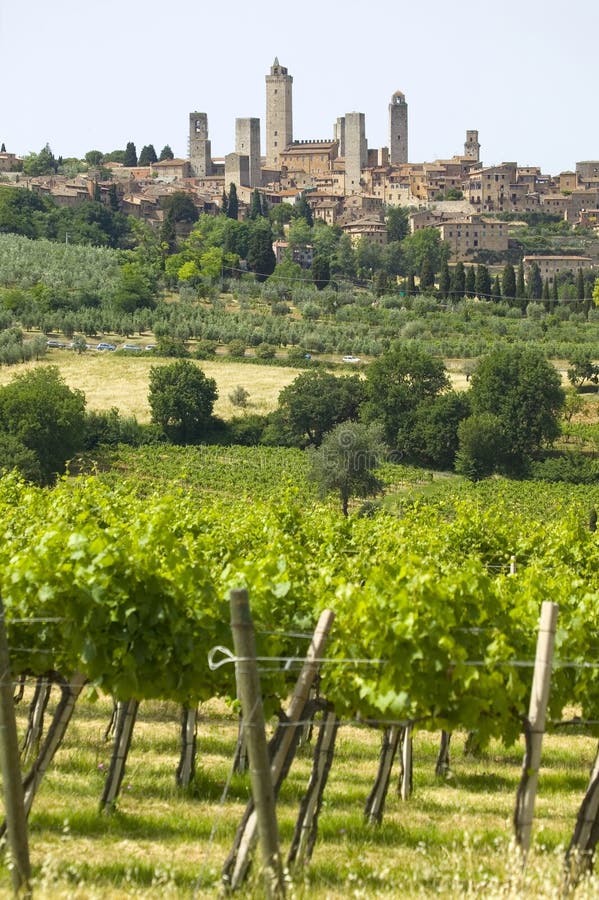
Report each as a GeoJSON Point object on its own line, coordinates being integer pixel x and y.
{"type": "Point", "coordinates": [346, 460]}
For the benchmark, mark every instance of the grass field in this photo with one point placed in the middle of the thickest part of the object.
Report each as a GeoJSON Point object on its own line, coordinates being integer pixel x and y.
{"type": "Point", "coordinates": [109, 379]}
{"type": "Point", "coordinates": [452, 839]}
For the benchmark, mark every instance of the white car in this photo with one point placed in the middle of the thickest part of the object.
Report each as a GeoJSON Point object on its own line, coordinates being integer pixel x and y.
{"type": "Point", "coordinates": [352, 359]}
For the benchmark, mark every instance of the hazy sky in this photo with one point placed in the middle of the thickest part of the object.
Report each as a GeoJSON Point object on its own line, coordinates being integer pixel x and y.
{"type": "Point", "coordinates": [91, 76]}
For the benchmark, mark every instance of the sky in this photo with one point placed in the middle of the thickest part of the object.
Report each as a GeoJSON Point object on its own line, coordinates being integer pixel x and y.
{"type": "Point", "coordinates": [92, 76]}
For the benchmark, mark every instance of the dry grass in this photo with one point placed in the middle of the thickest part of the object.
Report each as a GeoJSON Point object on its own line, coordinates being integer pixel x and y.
{"type": "Point", "coordinates": [452, 839]}
{"type": "Point", "coordinates": [109, 380]}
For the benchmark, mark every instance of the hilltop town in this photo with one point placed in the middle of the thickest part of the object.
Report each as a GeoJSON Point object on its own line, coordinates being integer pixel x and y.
{"type": "Point", "coordinates": [345, 182]}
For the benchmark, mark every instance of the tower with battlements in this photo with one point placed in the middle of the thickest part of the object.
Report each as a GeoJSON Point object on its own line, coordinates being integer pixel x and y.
{"type": "Point", "coordinates": [279, 113]}
{"type": "Point", "coordinates": [356, 150]}
{"type": "Point", "coordinates": [247, 143]}
{"type": "Point", "coordinates": [398, 129]}
{"type": "Point", "coordinates": [472, 147]}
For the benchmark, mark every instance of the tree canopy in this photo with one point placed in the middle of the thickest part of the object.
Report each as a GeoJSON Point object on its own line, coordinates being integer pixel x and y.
{"type": "Point", "coordinates": [317, 401]}
{"type": "Point", "coordinates": [181, 399]}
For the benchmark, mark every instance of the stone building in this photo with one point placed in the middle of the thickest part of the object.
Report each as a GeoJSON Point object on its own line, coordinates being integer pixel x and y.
{"type": "Point", "coordinates": [550, 266]}
{"type": "Point", "coordinates": [467, 237]}
{"type": "Point", "coordinates": [279, 113]}
{"type": "Point", "coordinates": [200, 159]}
{"type": "Point", "coordinates": [398, 129]}
{"type": "Point", "coordinates": [247, 143]}
{"type": "Point", "coordinates": [356, 151]}
{"type": "Point", "coordinates": [472, 146]}
{"type": "Point", "coordinates": [308, 157]}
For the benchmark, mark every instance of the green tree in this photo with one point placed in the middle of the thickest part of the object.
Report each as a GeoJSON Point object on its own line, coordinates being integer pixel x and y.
{"type": "Point", "coordinates": [508, 283]}
{"type": "Point", "coordinates": [481, 446]}
{"type": "Point", "coordinates": [582, 369]}
{"type": "Point", "coordinates": [427, 274]}
{"type": "Point", "coordinates": [314, 403]}
{"type": "Point", "coordinates": [302, 210]}
{"type": "Point", "coordinates": [42, 163]}
{"type": "Point", "coordinates": [433, 438]}
{"type": "Point", "coordinates": [180, 205]}
{"type": "Point", "coordinates": [261, 258]}
{"type": "Point", "coordinates": [321, 273]}
{"type": "Point", "coordinates": [130, 158]}
{"type": "Point", "coordinates": [521, 285]}
{"type": "Point", "coordinates": [482, 282]}
{"type": "Point", "coordinates": [94, 158]}
{"type": "Point", "coordinates": [346, 460]}
{"type": "Point", "coordinates": [255, 205]}
{"type": "Point", "coordinates": [535, 283]}
{"type": "Point", "coordinates": [396, 383]}
{"type": "Point", "coordinates": [524, 392]}
{"type": "Point", "coordinates": [458, 281]}
{"type": "Point", "coordinates": [47, 417]}
{"type": "Point", "coordinates": [444, 280]}
{"type": "Point", "coordinates": [470, 287]}
{"type": "Point", "coordinates": [181, 400]}
{"type": "Point", "coordinates": [166, 153]}
{"type": "Point", "coordinates": [424, 243]}
{"type": "Point", "coordinates": [147, 155]}
{"type": "Point", "coordinates": [496, 289]}
{"type": "Point", "coordinates": [224, 203]}
{"type": "Point", "coordinates": [344, 259]}
{"type": "Point", "coordinates": [398, 225]}
{"type": "Point", "coordinates": [232, 203]}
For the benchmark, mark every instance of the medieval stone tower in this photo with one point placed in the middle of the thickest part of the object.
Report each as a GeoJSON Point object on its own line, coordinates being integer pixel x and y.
{"type": "Point", "coordinates": [472, 147]}
{"type": "Point", "coordinates": [247, 143]}
{"type": "Point", "coordinates": [356, 150]}
{"type": "Point", "coordinates": [200, 159]}
{"type": "Point", "coordinates": [279, 113]}
{"type": "Point", "coordinates": [398, 129]}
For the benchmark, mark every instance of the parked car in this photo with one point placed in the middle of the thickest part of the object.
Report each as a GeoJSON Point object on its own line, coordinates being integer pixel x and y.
{"type": "Point", "coordinates": [351, 359]}
{"type": "Point", "coordinates": [131, 347]}
{"type": "Point", "coordinates": [104, 345]}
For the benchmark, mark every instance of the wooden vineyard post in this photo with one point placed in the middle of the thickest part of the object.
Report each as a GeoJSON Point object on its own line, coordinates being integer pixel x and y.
{"type": "Point", "coordinates": [248, 688]}
{"type": "Point", "coordinates": [16, 820]}
{"type": "Point", "coordinates": [535, 727]}
{"type": "Point", "coordinates": [237, 864]}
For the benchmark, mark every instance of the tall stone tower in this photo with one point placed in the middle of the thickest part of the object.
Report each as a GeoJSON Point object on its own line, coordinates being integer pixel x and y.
{"type": "Point", "coordinates": [398, 129]}
{"type": "Point", "coordinates": [247, 143]}
{"type": "Point", "coordinates": [279, 113]}
{"type": "Point", "coordinates": [356, 150]}
{"type": "Point", "coordinates": [200, 158]}
{"type": "Point", "coordinates": [472, 147]}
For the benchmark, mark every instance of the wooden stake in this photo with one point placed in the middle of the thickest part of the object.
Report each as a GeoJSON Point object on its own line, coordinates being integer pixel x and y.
{"type": "Point", "coordinates": [541, 683]}
{"type": "Point", "coordinates": [16, 820]}
{"type": "Point", "coordinates": [248, 689]}
{"type": "Point", "coordinates": [238, 862]}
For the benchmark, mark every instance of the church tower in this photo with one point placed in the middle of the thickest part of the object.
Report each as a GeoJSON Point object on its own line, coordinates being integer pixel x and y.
{"type": "Point", "coordinates": [279, 114]}
{"type": "Point", "coordinates": [398, 129]}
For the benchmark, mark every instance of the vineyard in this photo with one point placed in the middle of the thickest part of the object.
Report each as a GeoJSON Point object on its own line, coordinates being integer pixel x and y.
{"type": "Point", "coordinates": [116, 587]}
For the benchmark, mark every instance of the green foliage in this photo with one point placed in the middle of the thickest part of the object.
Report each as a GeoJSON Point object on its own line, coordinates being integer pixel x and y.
{"type": "Point", "coordinates": [181, 399]}
{"type": "Point", "coordinates": [397, 383]}
{"type": "Point", "coordinates": [110, 428]}
{"type": "Point", "coordinates": [42, 163]}
{"type": "Point", "coordinates": [481, 446]}
{"type": "Point", "coordinates": [524, 392]}
{"type": "Point", "coordinates": [582, 370]}
{"type": "Point", "coordinates": [232, 211]}
{"type": "Point", "coordinates": [130, 157]}
{"type": "Point", "coordinates": [346, 460]}
{"type": "Point", "coordinates": [166, 153]}
{"type": "Point", "coordinates": [260, 256]}
{"type": "Point", "coordinates": [424, 244]}
{"type": "Point", "coordinates": [433, 439]}
{"type": "Point", "coordinates": [314, 403]}
{"type": "Point", "coordinates": [147, 155]}
{"type": "Point", "coordinates": [398, 227]}
{"type": "Point", "coordinates": [45, 416]}
{"type": "Point", "coordinates": [239, 396]}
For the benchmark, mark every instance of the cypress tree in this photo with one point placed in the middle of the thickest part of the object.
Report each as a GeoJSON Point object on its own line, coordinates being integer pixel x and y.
{"type": "Point", "coordinates": [130, 158]}
{"type": "Point", "coordinates": [233, 204]}
{"type": "Point", "coordinates": [535, 283]}
{"type": "Point", "coordinates": [521, 286]}
{"type": "Point", "coordinates": [224, 203]}
{"type": "Point", "coordinates": [470, 287]}
{"type": "Point", "coordinates": [147, 155]}
{"type": "Point", "coordinates": [482, 282]}
{"type": "Point", "coordinates": [508, 283]}
{"type": "Point", "coordinates": [410, 285]}
{"type": "Point", "coordinates": [444, 280]}
{"type": "Point", "coordinates": [458, 281]}
{"type": "Point", "coordinates": [555, 294]}
{"type": "Point", "coordinates": [427, 274]}
{"type": "Point", "coordinates": [546, 292]}
{"type": "Point", "coordinates": [255, 205]}
{"type": "Point", "coordinates": [166, 153]}
{"type": "Point", "coordinates": [496, 289]}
